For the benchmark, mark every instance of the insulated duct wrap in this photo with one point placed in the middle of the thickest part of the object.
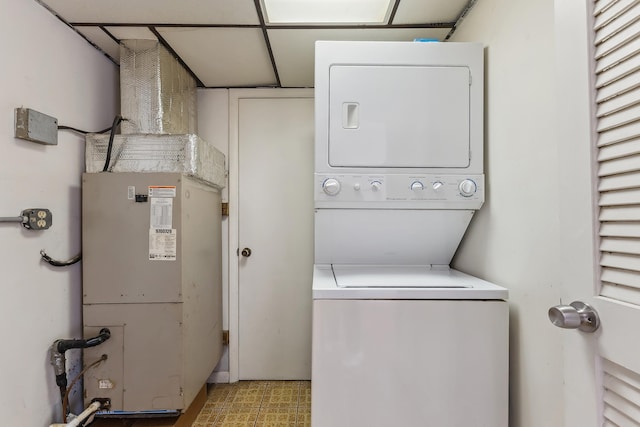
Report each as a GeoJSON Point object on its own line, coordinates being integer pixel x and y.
{"type": "Point", "coordinates": [157, 94]}
{"type": "Point", "coordinates": [187, 154]}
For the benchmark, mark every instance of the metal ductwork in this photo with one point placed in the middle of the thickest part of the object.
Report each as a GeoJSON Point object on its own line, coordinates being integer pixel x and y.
{"type": "Point", "coordinates": [158, 106]}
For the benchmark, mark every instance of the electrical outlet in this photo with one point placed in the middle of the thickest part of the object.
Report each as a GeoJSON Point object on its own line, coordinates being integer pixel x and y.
{"type": "Point", "coordinates": [36, 218]}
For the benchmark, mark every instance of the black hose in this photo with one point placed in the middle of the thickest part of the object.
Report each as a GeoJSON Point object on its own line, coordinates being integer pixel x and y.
{"type": "Point", "coordinates": [61, 382]}
{"type": "Point", "coordinates": [104, 335]}
{"type": "Point", "coordinates": [64, 345]}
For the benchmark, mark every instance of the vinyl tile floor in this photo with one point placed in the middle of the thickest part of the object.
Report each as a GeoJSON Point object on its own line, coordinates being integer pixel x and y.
{"type": "Point", "coordinates": [257, 404]}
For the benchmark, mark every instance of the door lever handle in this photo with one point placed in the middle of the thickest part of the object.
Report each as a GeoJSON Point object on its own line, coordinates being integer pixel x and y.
{"type": "Point", "coordinates": [576, 315]}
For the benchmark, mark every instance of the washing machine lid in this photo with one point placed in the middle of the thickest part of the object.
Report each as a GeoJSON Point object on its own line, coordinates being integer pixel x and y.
{"type": "Point", "coordinates": [400, 282]}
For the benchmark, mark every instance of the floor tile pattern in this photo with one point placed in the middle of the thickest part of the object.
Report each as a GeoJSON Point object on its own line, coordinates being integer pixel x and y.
{"type": "Point", "coordinates": [257, 404]}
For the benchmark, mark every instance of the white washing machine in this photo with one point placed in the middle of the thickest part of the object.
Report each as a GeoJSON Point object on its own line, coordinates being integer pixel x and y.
{"type": "Point", "coordinates": [400, 338]}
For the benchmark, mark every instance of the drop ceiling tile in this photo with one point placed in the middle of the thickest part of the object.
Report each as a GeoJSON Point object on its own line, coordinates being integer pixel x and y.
{"type": "Point", "coordinates": [293, 49]}
{"type": "Point", "coordinates": [131, 33]}
{"type": "Point", "coordinates": [156, 11]}
{"type": "Point", "coordinates": [428, 11]}
{"type": "Point", "coordinates": [223, 57]}
{"type": "Point", "coordinates": [101, 39]}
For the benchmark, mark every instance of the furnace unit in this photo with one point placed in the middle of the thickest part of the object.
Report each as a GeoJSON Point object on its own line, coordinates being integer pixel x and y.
{"type": "Point", "coordinates": [152, 251]}
{"type": "Point", "coordinates": [152, 275]}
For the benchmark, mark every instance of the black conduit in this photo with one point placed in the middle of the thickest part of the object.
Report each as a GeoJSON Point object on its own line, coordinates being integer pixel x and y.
{"type": "Point", "coordinates": [112, 134]}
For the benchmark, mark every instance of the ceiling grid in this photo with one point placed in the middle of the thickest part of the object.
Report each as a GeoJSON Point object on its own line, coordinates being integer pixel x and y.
{"type": "Point", "coordinates": [230, 44]}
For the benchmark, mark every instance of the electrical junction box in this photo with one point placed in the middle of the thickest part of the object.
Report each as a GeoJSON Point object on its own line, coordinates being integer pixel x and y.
{"type": "Point", "coordinates": [36, 127]}
{"type": "Point", "coordinates": [152, 275]}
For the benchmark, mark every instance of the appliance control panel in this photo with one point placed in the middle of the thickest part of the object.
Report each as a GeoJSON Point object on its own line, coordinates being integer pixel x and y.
{"type": "Point", "coordinates": [399, 188]}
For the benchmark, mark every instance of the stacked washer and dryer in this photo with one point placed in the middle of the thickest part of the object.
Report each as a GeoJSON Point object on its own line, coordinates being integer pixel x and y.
{"type": "Point", "coordinates": [399, 337]}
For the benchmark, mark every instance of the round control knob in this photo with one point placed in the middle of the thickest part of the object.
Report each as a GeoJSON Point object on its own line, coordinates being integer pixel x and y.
{"type": "Point", "coordinates": [467, 188]}
{"type": "Point", "coordinates": [417, 185]}
{"type": "Point", "coordinates": [331, 186]}
{"type": "Point", "coordinates": [356, 186]}
{"type": "Point", "coordinates": [437, 186]}
{"type": "Point", "coordinates": [376, 186]}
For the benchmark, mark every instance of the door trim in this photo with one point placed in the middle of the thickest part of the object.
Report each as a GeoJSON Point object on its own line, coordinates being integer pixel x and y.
{"type": "Point", "coordinates": [578, 244]}
{"type": "Point", "coordinates": [235, 95]}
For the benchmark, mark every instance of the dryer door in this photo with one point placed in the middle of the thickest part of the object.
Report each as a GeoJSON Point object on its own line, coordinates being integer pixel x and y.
{"type": "Point", "coordinates": [399, 116]}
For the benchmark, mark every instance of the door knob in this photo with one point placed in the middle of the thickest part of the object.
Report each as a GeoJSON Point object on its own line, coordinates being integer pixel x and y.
{"type": "Point", "coordinates": [576, 315]}
{"type": "Point", "coordinates": [246, 252]}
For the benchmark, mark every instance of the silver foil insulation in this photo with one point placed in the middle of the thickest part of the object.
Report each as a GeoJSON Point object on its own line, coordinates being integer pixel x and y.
{"type": "Point", "coordinates": [157, 94]}
{"type": "Point", "coordinates": [158, 101]}
{"type": "Point", "coordinates": [187, 154]}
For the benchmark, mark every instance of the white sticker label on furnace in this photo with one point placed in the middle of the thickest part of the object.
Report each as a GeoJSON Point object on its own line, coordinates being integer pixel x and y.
{"type": "Point", "coordinates": [162, 191]}
{"type": "Point", "coordinates": [105, 384]}
{"type": "Point", "coordinates": [162, 244]}
{"type": "Point", "coordinates": [161, 209]}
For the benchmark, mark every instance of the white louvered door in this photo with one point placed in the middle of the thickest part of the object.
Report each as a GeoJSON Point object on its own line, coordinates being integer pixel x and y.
{"type": "Point", "coordinates": [602, 370]}
{"type": "Point", "coordinates": [617, 96]}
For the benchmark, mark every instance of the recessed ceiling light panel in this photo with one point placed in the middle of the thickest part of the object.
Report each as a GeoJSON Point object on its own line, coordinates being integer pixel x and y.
{"type": "Point", "coordinates": [326, 11]}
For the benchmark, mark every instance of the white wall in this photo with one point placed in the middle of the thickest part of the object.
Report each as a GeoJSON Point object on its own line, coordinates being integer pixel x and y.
{"type": "Point", "coordinates": [213, 127]}
{"type": "Point", "coordinates": [513, 240]}
{"type": "Point", "coordinates": [47, 67]}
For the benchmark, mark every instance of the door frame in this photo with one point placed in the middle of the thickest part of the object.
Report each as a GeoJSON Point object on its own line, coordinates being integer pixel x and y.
{"type": "Point", "coordinates": [235, 95]}
{"type": "Point", "coordinates": [578, 206]}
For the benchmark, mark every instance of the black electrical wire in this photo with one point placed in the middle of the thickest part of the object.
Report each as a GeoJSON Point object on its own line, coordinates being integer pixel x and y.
{"type": "Point", "coordinates": [112, 134]}
{"type": "Point", "coordinates": [57, 263]}
{"type": "Point", "coordinates": [84, 132]}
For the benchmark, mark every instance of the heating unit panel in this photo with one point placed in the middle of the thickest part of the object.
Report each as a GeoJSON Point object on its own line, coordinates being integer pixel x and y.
{"type": "Point", "coordinates": [152, 271]}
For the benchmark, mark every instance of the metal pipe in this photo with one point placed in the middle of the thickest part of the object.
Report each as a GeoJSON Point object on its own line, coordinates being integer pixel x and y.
{"type": "Point", "coordinates": [20, 219]}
